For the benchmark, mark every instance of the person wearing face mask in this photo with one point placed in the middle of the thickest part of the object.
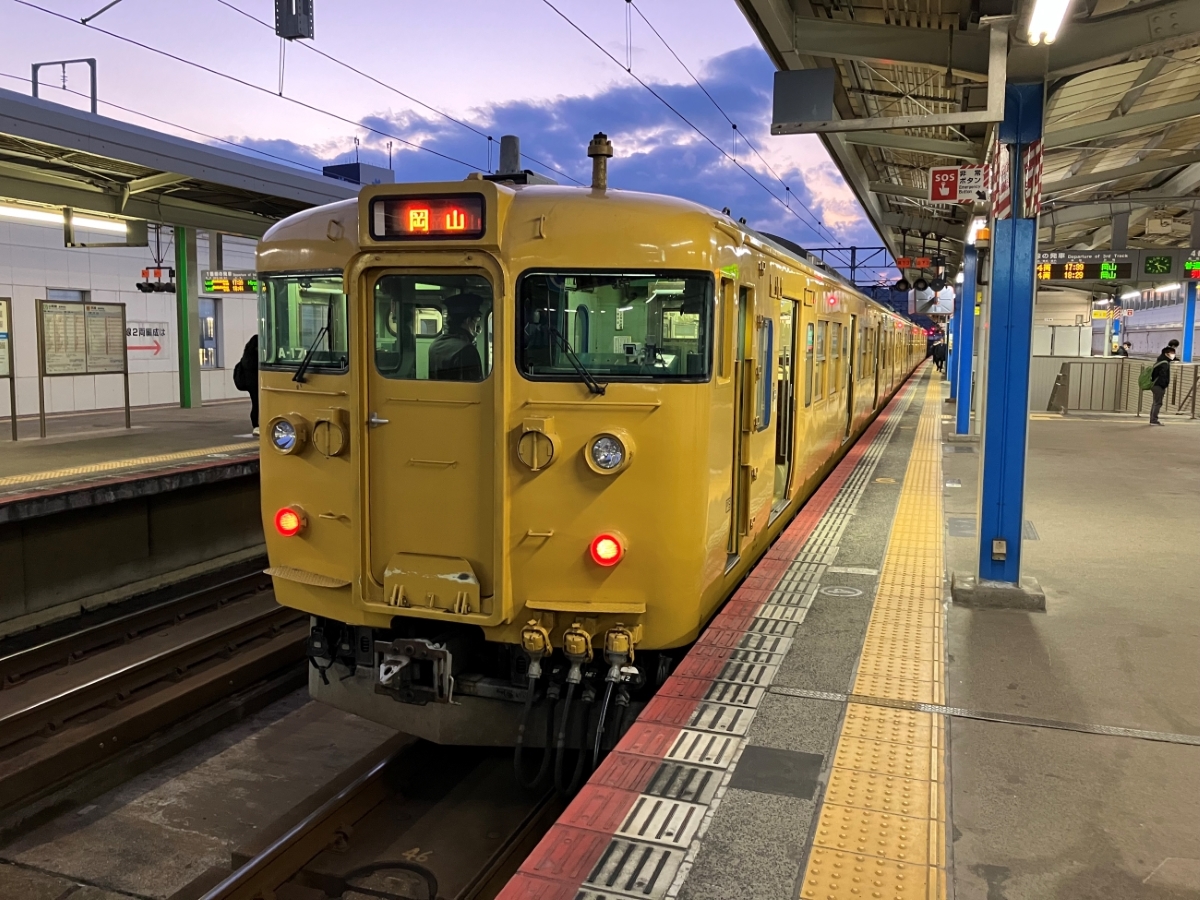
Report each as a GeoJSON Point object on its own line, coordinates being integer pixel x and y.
{"type": "Point", "coordinates": [453, 355]}
{"type": "Point", "coordinates": [1160, 380]}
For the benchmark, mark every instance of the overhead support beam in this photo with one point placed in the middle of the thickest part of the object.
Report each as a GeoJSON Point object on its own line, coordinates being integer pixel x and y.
{"type": "Point", "coordinates": [913, 144]}
{"type": "Point", "coordinates": [153, 182]}
{"type": "Point", "coordinates": [966, 52]}
{"type": "Point", "coordinates": [997, 63]}
{"type": "Point", "coordinates": [888, 189]}
{"type": "Point", "coordinates": [1159, 164]}
{"type": "Point", "coordinates": [1149, 118]}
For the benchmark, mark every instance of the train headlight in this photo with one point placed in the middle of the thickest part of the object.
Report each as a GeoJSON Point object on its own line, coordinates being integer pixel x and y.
{"type": "Point", "coordinates": [607, 549]}
{"type": "Point", "coordinates": [287, 434]}
{"type": "Point", "coordinates": [609, 453]}
{"type": "Point", "coordinates": [290, 521]}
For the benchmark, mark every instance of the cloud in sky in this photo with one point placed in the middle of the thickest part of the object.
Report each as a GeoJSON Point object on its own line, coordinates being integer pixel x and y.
{"type": "Point", "coordinates": [654, 149]}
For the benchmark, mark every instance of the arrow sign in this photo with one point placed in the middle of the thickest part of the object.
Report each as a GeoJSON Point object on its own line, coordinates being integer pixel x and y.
{"type": "Point", "coordinates": [148, 340]}
{"type": "Point", "coordinates": [155, 348]}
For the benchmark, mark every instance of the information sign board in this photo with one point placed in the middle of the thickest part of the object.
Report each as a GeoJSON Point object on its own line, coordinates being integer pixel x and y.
{"type": "Point", "coordinates": [230, 282]}
{"type": "Point", "coordinates": [105, 337]}
{"type": "Point", "coordinates": [64, 339]}
{"type": "Point", "coordinates": [1191, 265]}
{"type": "Point", "coordinates": [956, 184]}
{"type": "Point", "coordinates": [5, 340]}
{"type": "Point", "coordinates": [148, 340]}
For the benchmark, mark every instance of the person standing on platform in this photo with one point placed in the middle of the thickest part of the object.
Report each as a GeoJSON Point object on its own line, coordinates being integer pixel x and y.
{"type": "Point", "coordinates": [245, 378]}
{"type": "Point", "coordinates": [939, 356]}
{"type": "Point", "coordinates": [1123, 350]}
{"type": "Point", "coordinates": [1160, 378]}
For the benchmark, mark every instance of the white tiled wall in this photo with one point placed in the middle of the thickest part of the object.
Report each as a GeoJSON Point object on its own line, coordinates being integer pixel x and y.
{"type": "Point", "coordinates": [33, 259]}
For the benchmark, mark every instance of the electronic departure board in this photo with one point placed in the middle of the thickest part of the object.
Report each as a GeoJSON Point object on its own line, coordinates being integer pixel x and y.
{"type": "Point", "coordinates": [231, 282]}
{"type": "Point", "coordinates": [1104, 265]}
{"type": "Point", "coordinates": [1191, 266]}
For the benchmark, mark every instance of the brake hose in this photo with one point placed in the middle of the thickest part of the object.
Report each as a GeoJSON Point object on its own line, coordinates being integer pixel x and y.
{"type": "Point", "coordinates": [544, 768]}
{"type": "Point", "coordinates": [589, 697]}
{"type": "Point", "coordinates": [561, 743]}
{"type": "Point", "coordinates": [608, 690]}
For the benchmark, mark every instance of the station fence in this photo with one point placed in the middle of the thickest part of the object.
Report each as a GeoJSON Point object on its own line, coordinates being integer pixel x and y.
{"type": "Point", "coordinates": [1110, 384]}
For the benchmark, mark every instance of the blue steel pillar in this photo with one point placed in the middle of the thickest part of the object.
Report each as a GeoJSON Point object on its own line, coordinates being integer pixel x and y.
{"type": "Point", "coordinates": [1010, 337]}
{"type": "Point", "coordinates": [1189, 323]}
{"type": "Point", "coordinates": [965, 341]}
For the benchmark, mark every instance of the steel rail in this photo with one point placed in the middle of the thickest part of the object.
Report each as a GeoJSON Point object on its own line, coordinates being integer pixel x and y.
{"type": "Point", "coordinates": [287, 854]}
{"type": "Point", "coordinates": [117, 685]}
{"type": "Point", "coordinates": [17, 666]}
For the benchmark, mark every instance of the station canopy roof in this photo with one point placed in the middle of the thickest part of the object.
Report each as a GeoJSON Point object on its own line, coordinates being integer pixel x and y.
{"type": "Point", "coordinates": [1122, 118]}
{"type": "Point", "coordinates": [57, 156]}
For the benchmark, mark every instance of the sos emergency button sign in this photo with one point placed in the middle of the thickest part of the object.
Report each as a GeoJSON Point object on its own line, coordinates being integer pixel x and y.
{"type": "Point", "coordinates": [956, 184]}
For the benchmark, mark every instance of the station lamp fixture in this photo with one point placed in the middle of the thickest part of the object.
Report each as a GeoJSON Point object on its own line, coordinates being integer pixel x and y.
{"type": "Point", "coordinates": [1046, 19]}
{"type": "Point", "coordinates": [55, 217]}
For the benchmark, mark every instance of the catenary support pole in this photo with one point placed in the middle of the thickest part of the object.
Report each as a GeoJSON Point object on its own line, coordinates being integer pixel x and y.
{"type": "Point", "coordinates": [964, 341]}
{"type": "Point", "coordinates": [1009, 335]}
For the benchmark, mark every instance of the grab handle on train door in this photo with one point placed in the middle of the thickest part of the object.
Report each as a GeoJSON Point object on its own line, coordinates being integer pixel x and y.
{"type": "Point", "coordinates": [374, 421]}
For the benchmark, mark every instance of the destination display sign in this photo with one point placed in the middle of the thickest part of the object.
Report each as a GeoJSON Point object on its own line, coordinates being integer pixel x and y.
{"type": "Point", "coordinates": [1087, 265]}
{"type": "Point", "coordinates": [1191, 265]}
{"type": "Point", "coordinates": [449, 216]}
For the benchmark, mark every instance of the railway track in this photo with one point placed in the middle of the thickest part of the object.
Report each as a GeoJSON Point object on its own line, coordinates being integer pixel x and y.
{"type": "Point", "coordinates": [83, 711]}
{"type": "Point", "coordinates": [410, 821]}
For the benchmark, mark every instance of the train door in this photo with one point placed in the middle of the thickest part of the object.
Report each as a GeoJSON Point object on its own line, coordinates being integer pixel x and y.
{"type": "Point", "coordinates": [430, 471]}
{"type": "Point", "coordinates": [875, 333]}
{"type": "Point", "coordinates": [851, 340]}
{"type": "Point", "coordinates": [743, 422]}
{"type": "Point", "coordinates": [785, 417]}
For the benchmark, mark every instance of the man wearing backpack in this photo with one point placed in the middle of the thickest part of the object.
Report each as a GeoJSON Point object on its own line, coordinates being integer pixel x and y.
{"type": "Point", "coordinates": [245, 378]}
{"type": "Point", "coordinates": [1160, 378]}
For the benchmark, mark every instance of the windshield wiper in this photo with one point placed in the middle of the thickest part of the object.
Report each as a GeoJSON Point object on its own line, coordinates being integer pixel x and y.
{"type": "Point", "coordinates": [312, 350]}
{"type": "Point", "coordinates": [588, 378]}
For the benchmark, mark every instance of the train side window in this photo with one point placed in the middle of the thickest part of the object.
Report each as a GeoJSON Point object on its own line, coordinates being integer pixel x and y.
{"type": "Point", "coordinates": [808, 364]}
{"type": "Point", "coordinates": [863, 333]}
{"type": "Point", "coordinates": [835, 351]}
{"type": "Point", "coordinates": [728, 325]}
{"type": "Point", "coordinates": [433, 327]}
{"type": "Point", "coordinates": [766, 368]}
{"type": "Point", "coordinates": [822, 341]}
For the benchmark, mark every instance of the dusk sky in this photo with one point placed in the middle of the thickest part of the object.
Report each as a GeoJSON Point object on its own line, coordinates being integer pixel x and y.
{"type": "Point", "coordinates": [505, 68]}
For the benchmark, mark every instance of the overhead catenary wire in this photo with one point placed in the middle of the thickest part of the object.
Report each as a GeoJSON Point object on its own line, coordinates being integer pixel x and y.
{"type": "Point", "coordinates": [395, 90]}
{"type": "Point", "coordinates": [293, 100]}
{"type": "Point", "coordinates": [721, 110]}
{"type": "Point", "coordinates": [665, 102]}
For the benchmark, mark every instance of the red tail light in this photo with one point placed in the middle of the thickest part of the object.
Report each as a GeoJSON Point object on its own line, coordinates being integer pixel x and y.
{"type": "Point", "coordinates": [289, 522]}
{"type": "Point", "coordinates": [607, 550]}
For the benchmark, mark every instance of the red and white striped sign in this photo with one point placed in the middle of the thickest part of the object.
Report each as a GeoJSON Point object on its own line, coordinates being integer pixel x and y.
{"type": "Point", "coordinates": [1032, 184]}
{"type": "Point", "coordinates": [1000, 181]}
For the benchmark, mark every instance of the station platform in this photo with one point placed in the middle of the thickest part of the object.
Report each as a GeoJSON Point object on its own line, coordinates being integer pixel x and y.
{"type": "Point", "coordinates": [90, 459]}
{"type": "Point", "coordinates": [840, 731]}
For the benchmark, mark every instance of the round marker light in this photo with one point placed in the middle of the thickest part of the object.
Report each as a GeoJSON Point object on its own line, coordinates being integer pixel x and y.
{"type": "Point", "coordinates": [607, 452]}
{"type": "Point", "coordinates": [607, 550]}
{"type": "Point", "coordinates": [289, 522]}
{"type": "Point", "coordinates": [283, 435]}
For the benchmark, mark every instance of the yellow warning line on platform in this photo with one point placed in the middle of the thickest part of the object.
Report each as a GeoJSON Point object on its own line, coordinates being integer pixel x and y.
{"type": "Point", "coordinates": [882, 828]}
{"type": "Point", "coordinates": [115, 464]}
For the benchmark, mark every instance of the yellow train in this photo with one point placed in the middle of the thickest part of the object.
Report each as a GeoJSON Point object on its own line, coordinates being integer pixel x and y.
{"type": "Point", "coordinates": [513, 430]}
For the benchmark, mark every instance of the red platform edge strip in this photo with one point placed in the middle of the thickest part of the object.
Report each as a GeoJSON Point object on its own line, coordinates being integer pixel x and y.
{"type": "Point", "coordinates": [566, 855]}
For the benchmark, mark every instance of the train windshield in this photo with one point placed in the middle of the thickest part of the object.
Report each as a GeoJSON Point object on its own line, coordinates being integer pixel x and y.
{"type": "Point", "coordinates": [619, 327]}
{"type": "Point", "coordinates": [303, 317]}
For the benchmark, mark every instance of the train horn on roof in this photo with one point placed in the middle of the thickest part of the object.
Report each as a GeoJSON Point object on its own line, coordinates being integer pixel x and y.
{"type": "Point", "coordinates": [600, 149]}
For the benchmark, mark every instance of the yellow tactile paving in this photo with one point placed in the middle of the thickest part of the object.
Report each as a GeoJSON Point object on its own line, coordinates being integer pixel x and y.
{"type": "Point", "coordinates": [882, 827]}
{"type": "Point", "coordinates": [115, 464]}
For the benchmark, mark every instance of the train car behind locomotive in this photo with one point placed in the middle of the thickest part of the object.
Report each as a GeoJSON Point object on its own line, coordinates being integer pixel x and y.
{"type": "Point", "coordinates": [511, 428]}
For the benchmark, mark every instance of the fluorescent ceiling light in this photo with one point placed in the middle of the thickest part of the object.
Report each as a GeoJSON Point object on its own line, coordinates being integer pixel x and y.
{"type": "Point", "coordinates": [54, 217]}
{"type": "Point", "coordinates": [1131, 295]}
{"type": "Point", "coordinates": [1046, 20]}
{"type": "Point", "coordinates": [1164, 288]}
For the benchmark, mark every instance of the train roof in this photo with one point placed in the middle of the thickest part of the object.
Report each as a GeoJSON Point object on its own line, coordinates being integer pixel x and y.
{"type": "Point", "coordinates": [328, 237]}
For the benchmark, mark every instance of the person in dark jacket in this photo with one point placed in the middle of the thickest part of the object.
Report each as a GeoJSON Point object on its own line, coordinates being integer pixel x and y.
{"type": "Point", "coordinates": [453, 355]}
{"type": "Point", "coordinates": [1123, 350]}
{"type": "Point", "coordinates": [1160, 378]}
{"type": "Point", "coordinates": [939, 355]}
{"type": "Point", "coordinates": [246, 378]}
